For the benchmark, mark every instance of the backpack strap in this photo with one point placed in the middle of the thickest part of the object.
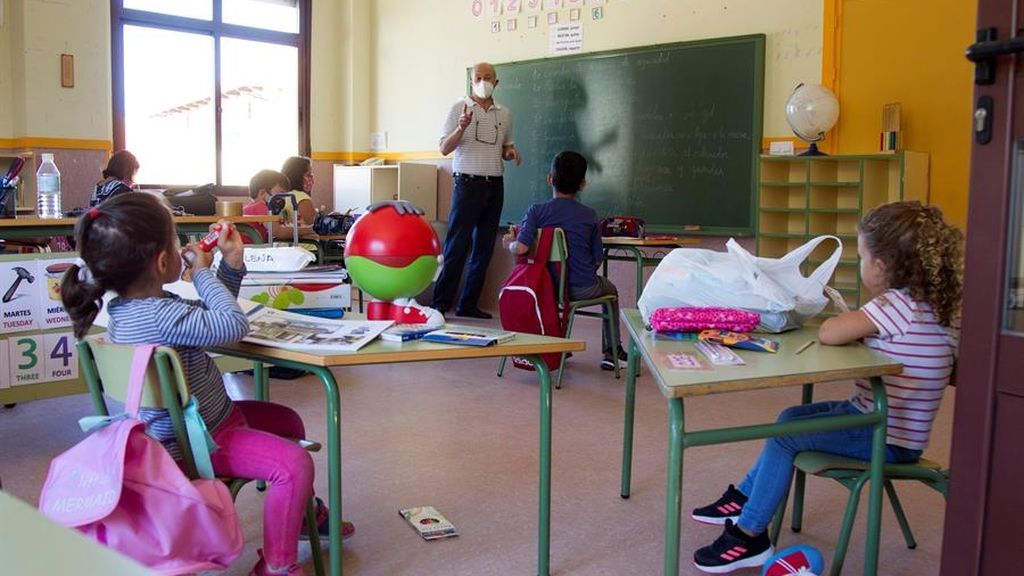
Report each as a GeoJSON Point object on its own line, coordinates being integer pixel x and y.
{"type": "Point", "coordinates": [545, 237]}
{"type": "Point", "coordinates": [136, 378]}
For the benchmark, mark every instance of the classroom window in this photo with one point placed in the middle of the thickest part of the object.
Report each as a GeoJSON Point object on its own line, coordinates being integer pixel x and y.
{"type": "Point", "coordinates": [210, 90]}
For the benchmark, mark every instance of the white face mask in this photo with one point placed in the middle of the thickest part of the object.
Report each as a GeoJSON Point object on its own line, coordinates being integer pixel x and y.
{"type": "Point", "coordinates": [483, 89]}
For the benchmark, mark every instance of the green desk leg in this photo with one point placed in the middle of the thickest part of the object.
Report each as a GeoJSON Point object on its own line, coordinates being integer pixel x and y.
{"type": "Point", "coordinates": [627, 427]}
{"type": "Point", "coordinates": [638, 257]}
{"type": "Point", "coordinates": [544, 514]}
{"type": "Point", "coordinates": [876, 486]}
{"type": "Point", "coordinates": [674, 485]}
{"type": "Point", "coordinates": [333, 461]}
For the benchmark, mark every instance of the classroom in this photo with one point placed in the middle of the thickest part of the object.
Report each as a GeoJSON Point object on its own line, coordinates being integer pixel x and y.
{"type": "Point", "coordinates": [679, 108]}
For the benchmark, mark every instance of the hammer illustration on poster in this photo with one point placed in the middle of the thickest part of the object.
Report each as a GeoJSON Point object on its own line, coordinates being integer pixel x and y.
{"type": "Point", "coordinates": [19, 305]}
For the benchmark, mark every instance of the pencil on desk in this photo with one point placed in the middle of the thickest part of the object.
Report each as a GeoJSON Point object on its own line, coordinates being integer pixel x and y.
{"type": "Point", "coordinates": [804, 347]}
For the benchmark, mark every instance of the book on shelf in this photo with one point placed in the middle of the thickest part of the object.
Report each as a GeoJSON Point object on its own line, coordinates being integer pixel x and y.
{"type": "Point", "coordinates": [430, 523]}
{"type": "Point", "coordinates": [406, 332]}
{"type": "Point", "coordinates": [469, 336]}
{"type": "Point", "coordinates": [291, 331]}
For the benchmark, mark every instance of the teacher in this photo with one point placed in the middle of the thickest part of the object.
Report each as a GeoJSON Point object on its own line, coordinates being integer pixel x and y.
{"type": "Point", "coordinates": [479, 131]}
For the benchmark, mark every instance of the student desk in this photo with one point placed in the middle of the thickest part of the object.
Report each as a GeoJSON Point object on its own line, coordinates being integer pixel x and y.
{"type": "Point", "coordinates": [633, 247]}
{"type": "Point", "coordinates": [763, 370]}
{"type": "Point", "coordinates": [11, 228]}
{"type": "Point", "coordinates": [379, 352]}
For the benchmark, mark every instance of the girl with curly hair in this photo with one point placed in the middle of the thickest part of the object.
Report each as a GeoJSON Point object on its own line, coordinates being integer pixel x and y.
{"type": "Point", "coordinates": [911, 261]}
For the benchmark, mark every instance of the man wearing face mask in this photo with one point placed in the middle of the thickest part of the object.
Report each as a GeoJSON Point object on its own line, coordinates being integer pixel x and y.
{"type": "Point", "coordinates": [479, 131]}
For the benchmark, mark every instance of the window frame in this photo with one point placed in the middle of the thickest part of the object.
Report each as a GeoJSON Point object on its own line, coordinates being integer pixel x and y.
{"type": "Point", "coordinates": [217, 29]}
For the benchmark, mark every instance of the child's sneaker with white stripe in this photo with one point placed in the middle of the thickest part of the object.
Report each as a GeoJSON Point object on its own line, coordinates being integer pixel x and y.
{"type": "Point", "coordinates": [733, 550]}
{"type": "Point", "coordinates": [728, 506]}
{"type": "Point", "coordinates": [798, 560]}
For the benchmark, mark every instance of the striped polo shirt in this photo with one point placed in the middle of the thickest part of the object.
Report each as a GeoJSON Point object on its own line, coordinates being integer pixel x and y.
{"type": "Point", "coordinates": [479, 151]}
{"type": "Point", "coordinates": [909, 333]}
{"type": "Point", "coordinates": [188, 326]}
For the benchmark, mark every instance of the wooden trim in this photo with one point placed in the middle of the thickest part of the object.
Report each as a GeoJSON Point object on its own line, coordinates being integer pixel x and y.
{"type": "Point", "coordinates": [831, 44]}
{"type": "Point", "coordinates": [58, 143]}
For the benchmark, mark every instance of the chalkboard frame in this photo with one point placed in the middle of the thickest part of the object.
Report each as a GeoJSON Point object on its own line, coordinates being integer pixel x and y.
{"type": "Point", "coordinates": [756, 43]}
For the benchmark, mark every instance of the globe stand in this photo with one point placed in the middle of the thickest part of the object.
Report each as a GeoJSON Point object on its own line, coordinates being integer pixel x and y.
{"type": "Point", "coordinates": [812, 151]}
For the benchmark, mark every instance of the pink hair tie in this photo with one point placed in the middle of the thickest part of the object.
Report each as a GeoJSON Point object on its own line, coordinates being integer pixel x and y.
{"type": "Point", "coordinates": [93, 213]}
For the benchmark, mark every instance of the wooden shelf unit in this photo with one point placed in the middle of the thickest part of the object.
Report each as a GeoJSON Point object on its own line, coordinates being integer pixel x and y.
{"type": "Point", "coordinates": [800, 197]}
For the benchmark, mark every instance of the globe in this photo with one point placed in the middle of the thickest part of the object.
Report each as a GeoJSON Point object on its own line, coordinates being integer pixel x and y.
{"type": "Point", "coordinates": [812, 110]}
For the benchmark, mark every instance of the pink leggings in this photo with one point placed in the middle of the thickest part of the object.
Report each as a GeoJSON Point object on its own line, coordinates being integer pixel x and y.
{"type": "Point", "coordinates": [250, 445]}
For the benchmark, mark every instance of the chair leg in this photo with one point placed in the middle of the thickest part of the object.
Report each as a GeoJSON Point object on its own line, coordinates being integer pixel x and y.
{"type": "Point", "coordinates": [848, 517]}
{"type": "Point", "coordinates": [780, 514]}
{"type": "Point", "coordinates": [314, 538]}
{"type": "Point", "coordinates": [908, 536]}
{"type": "Point", "coordinates": [799, 482]}
{"type": "Point", "coordinates": [613, 340]}
{"type": "Point", "coordinates": [568, 334]}
{"type": "Point", "coordinates": [501, 365]}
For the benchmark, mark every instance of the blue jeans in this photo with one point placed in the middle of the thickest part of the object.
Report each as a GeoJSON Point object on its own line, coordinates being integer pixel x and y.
{"type": "Point", "coordinates": [473, 221]}
{"type": "Point", "coordinates": [767, 482]}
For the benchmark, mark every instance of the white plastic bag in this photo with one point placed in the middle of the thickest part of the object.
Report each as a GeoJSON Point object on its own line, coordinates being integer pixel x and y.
{"type": "Point", "coordinates": [773, 287]}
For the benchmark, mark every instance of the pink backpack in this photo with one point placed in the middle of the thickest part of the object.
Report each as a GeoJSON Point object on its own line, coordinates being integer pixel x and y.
{"type": "Point", "coordinates": [121, 488]}
{"type": "Point", "coordinates": [527, 301]}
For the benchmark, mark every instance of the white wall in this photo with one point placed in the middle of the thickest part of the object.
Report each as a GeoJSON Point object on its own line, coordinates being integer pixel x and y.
{"type": "Point", "coordinates": [421, 50]}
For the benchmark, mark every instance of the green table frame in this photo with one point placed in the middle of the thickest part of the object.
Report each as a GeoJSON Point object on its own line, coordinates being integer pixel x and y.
{"type": "Point", "coordinates": [633, 247]}
{"type": "Point", "coordinates": [817, 364]}
{"type": "Point", "coordinates": [38, 227]}
{"type": "Point", "coordinates": [526, 345]}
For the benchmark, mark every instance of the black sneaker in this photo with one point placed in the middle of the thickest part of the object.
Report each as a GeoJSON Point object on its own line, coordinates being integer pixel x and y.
{"type": "Point", "coordinates": [728, 506]}
{"type": "Point", "coordinates": [733, 550]}
{"type": "Point", "coordinates": [607, 363]}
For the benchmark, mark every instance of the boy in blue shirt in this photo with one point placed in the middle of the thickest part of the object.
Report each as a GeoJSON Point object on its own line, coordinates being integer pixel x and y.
{"type": "Point", "coordinates": [579, 222]}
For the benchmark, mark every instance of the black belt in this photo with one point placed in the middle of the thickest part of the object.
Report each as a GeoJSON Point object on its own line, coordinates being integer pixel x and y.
{"type": "Point", "coordinates": [476, 178]}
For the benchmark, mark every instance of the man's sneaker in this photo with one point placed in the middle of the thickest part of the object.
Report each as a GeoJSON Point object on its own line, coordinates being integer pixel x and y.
{"type": "Point", "coordinates": [733, 550]}
{"type": "Point", "coordinates": [323, 525]}
{"type": "Point", "coordinates": [728, 506]}
{"type": "Point", "coordinates": [608, 363]}
{"type": "Point", "coordinates": [796, 560]}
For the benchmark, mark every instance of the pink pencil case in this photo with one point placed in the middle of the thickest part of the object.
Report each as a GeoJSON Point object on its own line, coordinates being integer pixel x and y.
{"type": "Point", "coordinates": [695, 319]}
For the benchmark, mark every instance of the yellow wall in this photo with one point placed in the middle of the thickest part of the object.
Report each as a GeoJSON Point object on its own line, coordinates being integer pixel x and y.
{"type": "Point", "coordinates": [421, 50]}
{"type": "Point", "coordinates": [911, 51]}
{"type": "Point", "coordinates": [6, 48]}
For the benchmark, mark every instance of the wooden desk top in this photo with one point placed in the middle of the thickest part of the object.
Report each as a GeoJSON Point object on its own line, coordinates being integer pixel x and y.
{"type": "Point", "coordinates": [819, 363]}
{"type": "Point", "coordinates": [381, 352]}
{"type": "Point", "coordinates": [27, 222]}
{"type": "Point", "coordinates": [613, 241]}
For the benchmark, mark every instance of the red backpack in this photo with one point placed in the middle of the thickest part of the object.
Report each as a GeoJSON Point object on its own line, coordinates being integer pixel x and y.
{"type": "Point", "coordinates": [527, 301]}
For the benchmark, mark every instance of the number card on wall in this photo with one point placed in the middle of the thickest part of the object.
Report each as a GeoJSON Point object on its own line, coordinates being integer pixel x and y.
{"type": "Point", "coordinates": [5, 375]}
{"type": "Point", "coordinates": [61, 360]}
{"type": "Point", "coordinates": [26, 363]}
{"type": "Point", "coordinates": [512, 7]}
{"type": "Point", "coordinates": [533, 5]}
{"type": "Point", "coordinates": [19, 296]}
{"type": "Point", "coordinates": [494, 7]}
{"type": "Point", "coordinates": [51, 310]}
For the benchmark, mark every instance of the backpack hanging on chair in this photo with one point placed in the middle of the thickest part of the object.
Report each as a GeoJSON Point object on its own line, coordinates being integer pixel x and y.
{"type": "Point", "coordinates": [527, 301]}
{"type": "Point", "coordinates": [121, 488]}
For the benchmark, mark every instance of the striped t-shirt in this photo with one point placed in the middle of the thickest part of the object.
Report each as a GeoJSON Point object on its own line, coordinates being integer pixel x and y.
{"type": "Point", "coordinates": [188, 326]}
{"type": "Point", "coordinates": [909, 333]}
{"type": "Point", "coordinates": [479, 151]}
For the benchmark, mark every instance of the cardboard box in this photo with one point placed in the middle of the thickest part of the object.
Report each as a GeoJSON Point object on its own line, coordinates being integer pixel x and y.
{"type": "Point", "coordinates": [297, 290]}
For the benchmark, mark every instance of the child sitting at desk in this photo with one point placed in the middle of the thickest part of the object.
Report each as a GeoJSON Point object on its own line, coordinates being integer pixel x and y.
{"type": "Point", "coordinates": [262, 186]}
{"type": "Point", "coordinates": [579, 222]}
{"type": "Point", "coordinates": [912, 262]}
{"type": "Point", "coordinates": [129, 245]}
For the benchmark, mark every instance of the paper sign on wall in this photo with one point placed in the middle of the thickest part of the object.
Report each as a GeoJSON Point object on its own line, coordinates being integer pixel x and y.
{"type": "Point", "coordinates": [566, 38]}
{"type": "Point", "coordinates": [60, 360]}
{"type": "Point", "coordinates": [51, 309]}
{"type": "Point", "coordinates": [19, 296]}
{"type": "Point", "coordinates": [26, 360]}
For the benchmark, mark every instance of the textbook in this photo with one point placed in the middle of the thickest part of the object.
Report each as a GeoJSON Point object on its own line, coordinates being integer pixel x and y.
{"type": "Point", "coordinates": [469, 336]}
{"type": "Point", "coordinates": [428, 522]}
{"type": "Point", "coordinates": [291, 331]}
{"type": "Point", "coordinates": [406, 332]}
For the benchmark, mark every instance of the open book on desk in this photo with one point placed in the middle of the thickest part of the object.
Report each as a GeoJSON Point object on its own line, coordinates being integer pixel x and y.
{"type": "Point", "coordinates": [469, 336]}
{"type": "Point", "coordinates": [280, 329]}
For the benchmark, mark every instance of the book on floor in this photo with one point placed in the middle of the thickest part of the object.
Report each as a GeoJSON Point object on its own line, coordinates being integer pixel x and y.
{"type": "Point", "coordinates": [430, 523]}
{"type": "Point", "coordinates": [469, 336]}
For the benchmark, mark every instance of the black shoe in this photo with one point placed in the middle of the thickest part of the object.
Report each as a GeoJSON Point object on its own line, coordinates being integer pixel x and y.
{"type": "Point", "coordinates": [473, 313]}
{"type": "Point", "coordinates": [728, 506]}
{"type": "Point", "coordinates": [283, 373]}
{"type": "Point", "coordinates": [608, 363]}
{"type": "Point", "coordinates": [733, 550]}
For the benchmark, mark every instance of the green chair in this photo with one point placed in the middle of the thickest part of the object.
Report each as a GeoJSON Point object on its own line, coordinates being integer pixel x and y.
{"type": "Point", "coordinates": [853, 474]}
{"type": "Point", "coordinates": [572, 308]}
{"type": "Point", "coordinates": [106, 367]}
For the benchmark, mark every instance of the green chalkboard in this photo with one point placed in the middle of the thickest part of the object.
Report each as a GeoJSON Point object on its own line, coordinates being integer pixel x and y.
{"type": "Point", "coordinates": [672, 132]}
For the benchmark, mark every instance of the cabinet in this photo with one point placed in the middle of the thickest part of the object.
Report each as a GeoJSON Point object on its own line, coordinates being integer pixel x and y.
{"type": "Point", "coordinates": [800, 197]}
{"type": "Point", "coordinates": [359, 186]}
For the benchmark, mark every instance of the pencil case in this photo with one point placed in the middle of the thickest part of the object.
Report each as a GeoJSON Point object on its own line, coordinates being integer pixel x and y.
{"type": "Point", "coordinates": [743, 341]}
{"type": "Point", "coordinates": [695, 319]}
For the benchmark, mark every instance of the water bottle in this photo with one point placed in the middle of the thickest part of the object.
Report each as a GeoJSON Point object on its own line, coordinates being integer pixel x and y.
{"type": "Point", "coordinates": [48, 189]}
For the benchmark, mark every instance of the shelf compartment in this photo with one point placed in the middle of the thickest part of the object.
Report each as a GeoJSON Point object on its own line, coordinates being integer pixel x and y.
{"type": "Point", "coordinates": [774, 246]}
{"type": "Point", "coordinates": [784, 196]}
{"type": "Point", "coordinates": [881, 182]}
{"type": "Point", "coordinates": [825, 249]}
{"type": "Point", "coordinates": [834, 198]}
{"type": "Point", "coordinates": [847, 277]}
{"type": "Point", "coordinates": [784, 171]}
{"type": "Point", "coordinates": [832, 170]}
{"type": "Point", "coordinates": [783, 222]}
{"type": "Point", "coordinates": [835, 223]}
